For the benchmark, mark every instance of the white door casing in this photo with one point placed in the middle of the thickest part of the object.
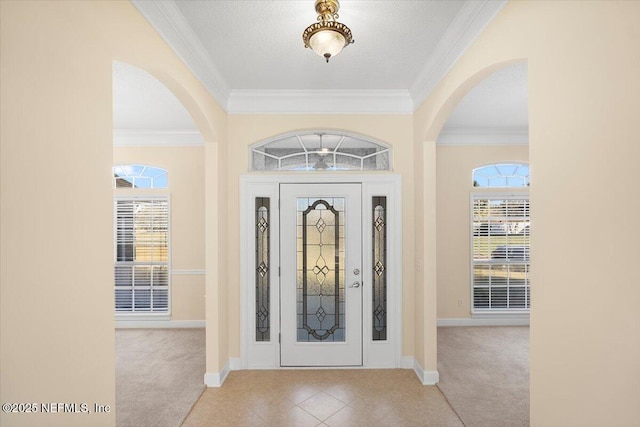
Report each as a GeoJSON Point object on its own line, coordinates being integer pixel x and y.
{"type": "Point", "coordinates": [257, 354]}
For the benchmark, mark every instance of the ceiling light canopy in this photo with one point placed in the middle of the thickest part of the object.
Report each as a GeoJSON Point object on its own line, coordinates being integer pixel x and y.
{"type": "Point", "coordinates": [327, 37]}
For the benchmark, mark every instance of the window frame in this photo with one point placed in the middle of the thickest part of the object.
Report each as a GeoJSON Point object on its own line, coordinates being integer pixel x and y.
{"type": "Point", "coordinates": [131, 194]}
{"type": "Point", "coordinates": [500, 194]}
{"type": "Point", "coordinates": [526, 179]}
{"type": "Point", "coordinates": [308, 151]}
{"type": "Point", "coordinates": [152, 187]}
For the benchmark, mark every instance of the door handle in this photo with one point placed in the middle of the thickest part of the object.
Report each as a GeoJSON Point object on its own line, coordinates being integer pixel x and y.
{"type": "Point", "coordinates": [355, 285]}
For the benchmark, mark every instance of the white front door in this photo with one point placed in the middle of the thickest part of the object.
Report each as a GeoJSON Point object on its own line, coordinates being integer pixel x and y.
{"type": "Point", "coordinates": [320, 283]}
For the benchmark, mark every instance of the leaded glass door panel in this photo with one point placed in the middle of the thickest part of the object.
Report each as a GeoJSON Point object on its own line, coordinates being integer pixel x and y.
{"type": "Point", "coordinates": [320, 284]}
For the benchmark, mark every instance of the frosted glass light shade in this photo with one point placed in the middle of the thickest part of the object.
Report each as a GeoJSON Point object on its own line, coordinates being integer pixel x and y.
{"type": "Point", "coordinates": [327, 43]}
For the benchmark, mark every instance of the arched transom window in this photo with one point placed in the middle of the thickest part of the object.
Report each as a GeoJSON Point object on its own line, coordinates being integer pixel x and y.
{"type": "Point", "coordinates": [502, 175]}
{"type": "Point", "coordinates": [320, 150]}
{"type": "Point", "coordinates": [139, 176]}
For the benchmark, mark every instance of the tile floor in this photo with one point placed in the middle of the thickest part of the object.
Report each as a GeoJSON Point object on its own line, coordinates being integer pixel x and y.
{"type": "Point", "coordinates": [334, 398]}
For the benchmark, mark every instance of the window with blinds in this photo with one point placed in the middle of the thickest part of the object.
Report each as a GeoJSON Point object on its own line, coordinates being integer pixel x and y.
{"type": "Point", "coordinates": [142, 255]}
{"type": "Point", "coordinates": [500, 260]}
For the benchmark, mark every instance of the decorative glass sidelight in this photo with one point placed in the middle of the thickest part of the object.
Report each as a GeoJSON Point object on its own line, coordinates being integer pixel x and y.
{"type": "Point", "coordinates": [320, 269]}
{"type": "Point", "coordinates": [263, 307]}
{"type": "Point", "coordinates": [379, 263]}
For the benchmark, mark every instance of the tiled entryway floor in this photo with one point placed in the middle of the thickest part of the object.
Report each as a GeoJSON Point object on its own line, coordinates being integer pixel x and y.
{"type": "Point", "coordinates": [300, 398]}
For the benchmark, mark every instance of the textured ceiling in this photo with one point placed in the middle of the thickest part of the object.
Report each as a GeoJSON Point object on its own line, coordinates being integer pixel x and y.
{"type": "Point", "coordinates": [498, 101]}
{"type": "Point", "coordinates": [141, 102]}
{"type": "Point", "coordinates": [250, 56]}
{"type": "Point", "coordinates": [257, 45]}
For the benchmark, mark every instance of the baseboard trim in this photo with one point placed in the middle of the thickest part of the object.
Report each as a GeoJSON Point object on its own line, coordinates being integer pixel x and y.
{"type": "Point", "coordinates": [425, 377]}
{"type": "Point", "coordinates": [485, 321]}
{"type": "Point", "coordinates": [407, 362]}
{"type": "Point", "coordinates": [235, 364]}
{"type": "Point", "coordinates": [160, 324]}
{"type": "Point", "coordinates": [431, 378]}
{"type": "Point", "coordinates": [216, 379]}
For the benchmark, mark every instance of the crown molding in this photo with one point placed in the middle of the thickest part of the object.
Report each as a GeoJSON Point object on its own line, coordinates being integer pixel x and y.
{"type": "Point", "coordinates": [167, 19]}
{"type": "Point", "coordinates": [320, 102]}
{"type": "Point", "coordinates": [484, 136]}
{"type": "Point", "coordinates": [154, 138]}
{"type": "Point", "coordinates": [468, 24]}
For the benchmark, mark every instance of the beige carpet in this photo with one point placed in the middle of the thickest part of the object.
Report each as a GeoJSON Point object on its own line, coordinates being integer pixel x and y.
{"type": "Point", "coordinates": [484, 373]}
{"type": "Point", "coordinates": [159, 375]}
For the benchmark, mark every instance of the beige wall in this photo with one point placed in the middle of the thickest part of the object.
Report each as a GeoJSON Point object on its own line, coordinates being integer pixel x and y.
{"type": "Point", "coordinates": [56, 260]}
{"type": "Point", "coordinates": [584, 97]}
{"type": "Point", "coordinates": [57, 323]}
{"type": "Point", "coordinates": [185, 166]}
{"type": "Point", "coordinates": [56, 123]}
{"type": "Point", "coordinates": [425, 303]}
{"type": "Point", "coordinates": [245, 130]}
{"type": "Point", "coordinates": [454, 165]}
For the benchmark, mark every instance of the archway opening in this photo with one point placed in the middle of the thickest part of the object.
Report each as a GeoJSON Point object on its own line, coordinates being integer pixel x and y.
{"type": "Point", "coordinates": [483, 239]}
{"type": "Point", "coordinates": [159, 269]}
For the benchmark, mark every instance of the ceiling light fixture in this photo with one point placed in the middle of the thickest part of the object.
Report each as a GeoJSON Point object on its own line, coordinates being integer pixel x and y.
{"type": "Point", "coordinates": [323, 150]}
{"type": "Point", "coordinates": [327, 37]}
{"type": "Point", "coordinates": [321, 164]}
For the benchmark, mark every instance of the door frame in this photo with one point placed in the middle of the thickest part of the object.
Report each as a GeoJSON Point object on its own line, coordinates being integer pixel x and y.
{"type": "Point", "coordinates": [266, 355]}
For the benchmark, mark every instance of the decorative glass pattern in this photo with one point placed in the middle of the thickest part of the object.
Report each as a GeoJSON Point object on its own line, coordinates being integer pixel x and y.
{"type": "Point", "coordinates": [263, 287]}
{"type": "Point", "coordinates": [502, 175]}
{"type": "Point", "coordinates": [325, 150]}
{"type": "Point", "coordinates": [320, 269]}
{"type": "Point", "coordinates": [379, 263]}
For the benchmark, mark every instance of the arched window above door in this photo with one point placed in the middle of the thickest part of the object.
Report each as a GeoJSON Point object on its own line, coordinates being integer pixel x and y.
{"type": "Point", "coordinates": [139, 176]}
{"type": "Point", "coordinates": [320, 150]}
{"type": "Point", "coordinates": [502, 175]}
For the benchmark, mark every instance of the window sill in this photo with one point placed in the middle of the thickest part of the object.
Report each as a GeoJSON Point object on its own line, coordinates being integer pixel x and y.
{"type": "Point", "coordinates": [500, 314]}
{"type": "Point", "coordinates": [146, 317]}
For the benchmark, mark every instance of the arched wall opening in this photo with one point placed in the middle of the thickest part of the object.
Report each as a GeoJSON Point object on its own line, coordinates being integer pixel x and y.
{"type": "Point", "coordinates": [454, 164]}
{"type": "Point", "coordinates": [453, 98]}
{"type": "Point", "coordinates": [583, 97]}
{"type": "Point", "coordinates": [489, 126]}
{"type": "Point", "coordinates": [204, 124]}
{"type": "Point", "coordinates": [69, 127]}
{"type": "Point", "coordinates": [159, 157]}
{"type": "Point", "coordinates": [210, 121]}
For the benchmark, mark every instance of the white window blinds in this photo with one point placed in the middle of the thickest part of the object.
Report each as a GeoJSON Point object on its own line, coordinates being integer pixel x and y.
{"type": "Point", "coordinates": [500, 261]}
{"type": "Point", "coordinates": [142, 255]}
